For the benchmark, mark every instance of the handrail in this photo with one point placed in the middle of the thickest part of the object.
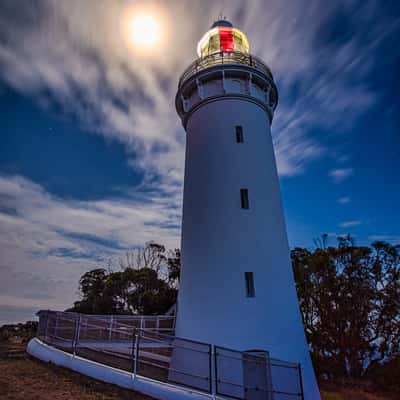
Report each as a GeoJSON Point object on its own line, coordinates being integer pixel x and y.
{"type": "Point", "coordinates": [147, 352]}
{"type": "Point", "coordinates": [223, 58]}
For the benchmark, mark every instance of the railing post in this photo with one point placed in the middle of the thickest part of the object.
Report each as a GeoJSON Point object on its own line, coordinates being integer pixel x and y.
{"type": "Point", "coordinates": [110, 328]}
{"type": "Point", "coordinates": [76, 336]}
{"type": "Point", "coordinates": [213, 371]}
{"type": "Point", "coordinates": [135, 353]}
{"type": "Point", "coordinates": [56, 326]}
{"type": "Point", "coordinates": [157, 323]}
{"type": "Point", "coordinates": [301, 381]}
{"type": "Point", "coordinates": [47, 326]}
{"type": "Point", "coordinates": [40, 323]}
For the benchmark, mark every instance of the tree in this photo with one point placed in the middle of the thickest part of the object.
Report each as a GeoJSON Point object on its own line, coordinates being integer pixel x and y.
{"type": "Point", "coordinates": [147, 294]}
{"type": "Point", "coordinates": [94, 298]}
{"type": "Point", "coordinates": [156, 257]}
{"type": "Point", "coordinates": [350, 301]}
{"type": "Point", "coordinates": [174, 267]}
{"type": "Point", "coordinates": [146, 284]}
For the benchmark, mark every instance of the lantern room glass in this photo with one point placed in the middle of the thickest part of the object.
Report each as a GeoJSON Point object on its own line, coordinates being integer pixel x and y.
{"type": "Point", "coordinates": [223, 39]}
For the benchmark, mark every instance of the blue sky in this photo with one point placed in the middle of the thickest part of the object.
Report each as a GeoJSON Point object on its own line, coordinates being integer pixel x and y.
{"type": "Point", "coordinates": [92, 151]}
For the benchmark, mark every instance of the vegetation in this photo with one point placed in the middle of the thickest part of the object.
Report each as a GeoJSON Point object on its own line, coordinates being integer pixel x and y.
{"type": "Point", "coordinates": [146, 284]}
{"type": "Point", "coordinates": [350, 301]}
{"type": "Point", "coordinates": [29, 379]}
{"type": "Point", "coordinates": [349, 297]}
{"type": "Point", "coordinates": [22, 331]}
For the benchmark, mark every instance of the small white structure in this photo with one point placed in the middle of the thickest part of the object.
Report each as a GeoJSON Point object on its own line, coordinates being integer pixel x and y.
{"type": "Point", "coordinates": [237, 288]}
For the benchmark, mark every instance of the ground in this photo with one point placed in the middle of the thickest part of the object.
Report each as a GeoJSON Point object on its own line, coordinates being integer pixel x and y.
{"type": "Point", "coordinates": [353, 394]}
{"type": "Point", "coordinates": [24, 378]}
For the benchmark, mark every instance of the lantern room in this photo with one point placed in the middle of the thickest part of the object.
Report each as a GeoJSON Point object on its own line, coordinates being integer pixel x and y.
{"type": "Point", "coordinates": [223, 37]}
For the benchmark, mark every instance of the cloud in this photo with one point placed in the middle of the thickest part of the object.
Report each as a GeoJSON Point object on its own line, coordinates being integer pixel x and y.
{"type": "Point", "coordinates": [340, 174]}
{"type": "Point", "coordinates": [48, 242]}
{"type": "Point", "coordinates": [350, 224]}
{"type": "Point", "coordinates": [88, 70]}
{"type": "Point", "coordinates": [344, 200]}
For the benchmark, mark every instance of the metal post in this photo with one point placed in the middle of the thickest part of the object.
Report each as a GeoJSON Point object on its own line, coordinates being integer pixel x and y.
{"type": "Point", "coordinates": [76, 336]}
{"type": "Point", "coordinates": [135, 353]}
{"type": "Point", "coordinates": [47, 326]}
{"type": "Point", "coordinates": [40, 323]}
{"type": "Point", "coordinates": [213, 371]}
{"type": "Point", "coordinates": [56, 327]}
{"type": "Point", "coordinates": [301, 381]}
{"type": "Point", "coordinates": [110, 328]}
{"type": "Point", "coordinates": [157, 323]}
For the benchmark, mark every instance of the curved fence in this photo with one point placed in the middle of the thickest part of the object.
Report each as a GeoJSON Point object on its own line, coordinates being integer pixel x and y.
{"type": "Point", "coordinates": [145, 347]}
{"type": "Point", "coordinates": [224, 58]}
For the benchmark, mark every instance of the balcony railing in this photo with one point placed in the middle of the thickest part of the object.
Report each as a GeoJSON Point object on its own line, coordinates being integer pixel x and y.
{"type": "Point", "coordinates": [223, 58]}
{"type": "Point", "coordinates": [143, 346]}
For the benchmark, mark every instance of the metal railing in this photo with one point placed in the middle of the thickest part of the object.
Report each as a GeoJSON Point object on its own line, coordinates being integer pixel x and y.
{"type": "Point", "coordinates": [254, 375]}
{"type": "Point", "coordinates": [143, 348]}
{"type": "Point", "coordinates": [224, 58]}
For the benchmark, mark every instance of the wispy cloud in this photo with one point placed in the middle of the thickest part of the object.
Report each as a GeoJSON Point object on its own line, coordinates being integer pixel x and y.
{"type": "Point", "coordinates": [340, 174]}
{"type": "Point", "coordinates": [48, 242]}
{"type": "Point", "coordinates": [88, 70]}
{"type": "Point", "coordinates": [344, 200]}
{"type": "Point", "coordinates": [350, 224]}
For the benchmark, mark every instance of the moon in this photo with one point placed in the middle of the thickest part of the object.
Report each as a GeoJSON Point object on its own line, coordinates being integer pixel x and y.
{"type": "Point", "coordinates": [144, 30]}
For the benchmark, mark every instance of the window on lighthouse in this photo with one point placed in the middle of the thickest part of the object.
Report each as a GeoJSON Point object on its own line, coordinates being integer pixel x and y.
{"type": "Point", "coordinates": [239, 134]}
{"type": "Point", "coordinates": [249, 278]}
{"type": "Point", "coordinates": [244, 198]}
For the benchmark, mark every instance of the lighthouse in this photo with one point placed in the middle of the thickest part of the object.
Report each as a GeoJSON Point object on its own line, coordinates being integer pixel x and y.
{"type": "Point", "coordinates": [237, 288]}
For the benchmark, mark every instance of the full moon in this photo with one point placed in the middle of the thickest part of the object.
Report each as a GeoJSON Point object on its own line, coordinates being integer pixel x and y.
{"type": "Point", "coordinates": [144, 30]}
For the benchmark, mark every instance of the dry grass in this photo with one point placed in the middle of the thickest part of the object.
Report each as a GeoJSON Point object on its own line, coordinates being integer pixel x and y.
{"type": "Point", "coordinates": [28, 379]}
{"type": "Point", "coordinates": [337, 392]}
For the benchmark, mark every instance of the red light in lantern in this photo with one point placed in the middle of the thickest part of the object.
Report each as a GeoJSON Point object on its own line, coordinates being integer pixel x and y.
{"type": "Point", "coordinates": [226, 40]}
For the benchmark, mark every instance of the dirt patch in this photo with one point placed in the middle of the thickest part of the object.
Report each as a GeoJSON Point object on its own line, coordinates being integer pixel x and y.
{"type": "Point", "coordinates": [28, 379]}
{"type": "Point", "coordinates": [353, 392]}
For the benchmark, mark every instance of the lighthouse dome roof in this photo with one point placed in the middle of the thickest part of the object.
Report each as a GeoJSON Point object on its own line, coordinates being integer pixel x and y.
{"type": "Point", "coordinates": [222, 22]}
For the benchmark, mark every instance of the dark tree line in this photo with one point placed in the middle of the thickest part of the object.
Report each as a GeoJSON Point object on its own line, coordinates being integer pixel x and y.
{"type": "Point", "coordinates": [350, 300]}
{"type": "Point", "coordinates": [146, 284]}
{"type": "Point", "coordinates": [349, 297]}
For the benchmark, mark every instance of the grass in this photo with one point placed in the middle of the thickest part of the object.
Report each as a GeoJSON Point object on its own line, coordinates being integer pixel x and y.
{"type": "Point", "coordinates": [28, 379]}
{"type": "Point", "coordinates": [337, 392]}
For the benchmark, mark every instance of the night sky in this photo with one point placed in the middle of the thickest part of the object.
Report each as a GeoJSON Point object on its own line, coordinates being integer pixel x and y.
{"type": "Point", "coordinates": [92, 151]}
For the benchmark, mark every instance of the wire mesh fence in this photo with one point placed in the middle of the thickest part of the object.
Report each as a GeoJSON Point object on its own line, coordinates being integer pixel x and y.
{"type": "Point", "coordinates": [253, 375]}
{"type": "Point", "coordinates": [286, 380]}
{"type": "Point", "coordinates": [141, 346]}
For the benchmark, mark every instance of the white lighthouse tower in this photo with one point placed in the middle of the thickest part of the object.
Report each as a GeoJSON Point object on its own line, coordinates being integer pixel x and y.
{"type": "Point", "coordinates": [237, 288]}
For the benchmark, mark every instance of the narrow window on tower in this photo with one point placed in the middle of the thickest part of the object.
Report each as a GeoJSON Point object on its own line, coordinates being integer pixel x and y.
{"type": "Point", "coordinates": [239, 134]}
{"type": "Point", "coordinates": [249, 284]}
{"type": "Point", "coordinates": [244, 198]}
